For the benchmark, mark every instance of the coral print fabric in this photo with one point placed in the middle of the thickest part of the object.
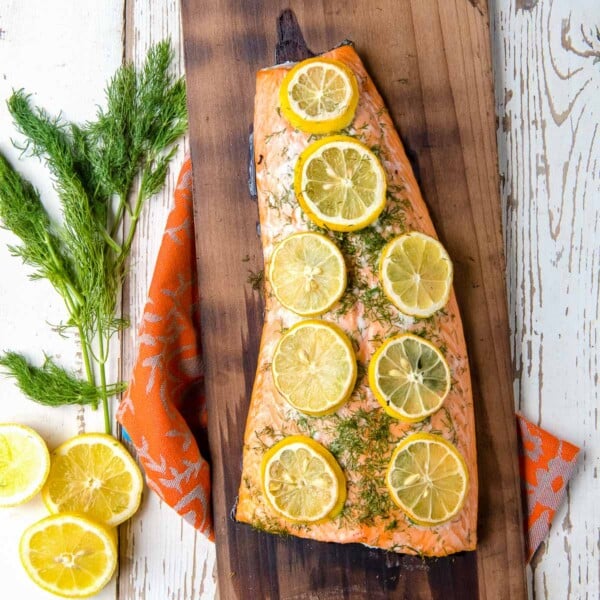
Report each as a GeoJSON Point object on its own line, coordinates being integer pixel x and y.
{"type": "Point", "coordinates": [164, 410]}
{"type": "Point", "coordinates": [546, 465]}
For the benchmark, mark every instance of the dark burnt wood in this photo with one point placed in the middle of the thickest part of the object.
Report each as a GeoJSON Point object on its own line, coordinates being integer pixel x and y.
{"type": "Point", "coordinates": [431, 61]}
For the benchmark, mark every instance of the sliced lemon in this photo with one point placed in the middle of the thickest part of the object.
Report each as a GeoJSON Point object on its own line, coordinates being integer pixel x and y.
{"type": "Point", "coordinates": [416, 273]}
{"type": "Point", "coordinates": [94, 475]}
{"type": "Point", "coordinates": [307, 273]}
{"type": "Point", "coordinates": [409, 377]}
{"type": "Point", "coordinates": [319, 95]}
{"type": "Point", "coordinates": [340, 184]}
{"type": "Point", "coordinates": [314, 367]}
{"type": "Point", "coordinates": [427, 478]}
{"type": "Point", "coordinates": [302, 480]}
{"type": "Point", "coordinates": [69, 555]}
{"type": "Point", "coordinates": [24, 464]}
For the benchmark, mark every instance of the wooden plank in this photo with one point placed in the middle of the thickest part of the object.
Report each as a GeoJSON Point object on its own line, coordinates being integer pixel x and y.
{"type": "Point", "coordinates": [39, 52]}
{"type": "Point", "coordinates": [547, 82]}
{"type": "Point", "coordinates": [433, 67]}
{"type": "Point", "coordinates": [162, 556]}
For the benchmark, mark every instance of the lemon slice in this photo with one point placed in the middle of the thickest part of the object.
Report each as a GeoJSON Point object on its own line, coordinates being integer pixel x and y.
{"type": "Point", "coordinates": [314, 367]}
{"type": "Point", "coordinates": [302, 480]}
{"type": "Point", "coordinates": [319, 95]}
{"type": "Point", "coordinates": [94, 475]}
{"type": "Point", "coordinates": [24, 464]}
{"type": "Point", "coordinates": [340, 184]}
{"type": "Point", "coordinates": [427, 478]}
{"type": "Point", "coordinates": [68, 555]}
{"type": "Point", "coordinates": [416, 273]}
{"type": "Point", "coordinates": [307, 273]}
{"type": "Point", "coordinates": [409, 377]}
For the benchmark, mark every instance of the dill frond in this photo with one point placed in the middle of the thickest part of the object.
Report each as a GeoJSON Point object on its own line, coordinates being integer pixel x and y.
{"type": "Point", "coordinates": [50, 384]}
{"type": "Point", "coordinates": [22, 212]}
{"type": "Point", "coordinates": [145, 114]}
{"type": "Point", "coordinates": [129, 145]}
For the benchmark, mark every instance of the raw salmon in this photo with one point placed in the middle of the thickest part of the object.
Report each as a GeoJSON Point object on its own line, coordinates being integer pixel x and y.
{"type": "Point", "coordinates": [360, 434]}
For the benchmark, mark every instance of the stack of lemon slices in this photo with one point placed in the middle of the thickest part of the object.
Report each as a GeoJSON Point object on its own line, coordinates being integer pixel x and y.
{"type": "Point", "coordinates": [90, 484]}
{"type": "Point", "coordinates": [340, 185]}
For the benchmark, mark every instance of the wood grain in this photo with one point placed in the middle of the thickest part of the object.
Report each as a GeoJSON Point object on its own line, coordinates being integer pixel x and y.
{"type": "Point", "coordinates": [434, 69]}
{"type": "Point", "coordinates": [161, 556]}
{"type": "Point", "coordinates": [552, 279]}
{"type": "Point", "coordinates": [39, 52]}
{"type": "Point", "coordinates": [547, 90]}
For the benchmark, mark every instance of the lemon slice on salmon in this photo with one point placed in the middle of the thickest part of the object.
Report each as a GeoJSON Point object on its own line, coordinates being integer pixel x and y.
{"type": "Point", "coordinates": [307, 273]}
{"type": "Point", "coordinates": [94, 475]}
{"type": "Point", "coordinates": [24, 464]}
{"type": "Point", "coordinates": [409, 377]}
{"type": "Point", "coordinates": [319, 95]}
{"type": "Point", "coordinates": [427, 478]}
{"type": "Point", "coordinates": [69, 555]}
{"type": "Point", "coordinates": [302, 480]}
{"type": "Point", "coordinates": [416, 273]}
{"type": "Point", "coordinates": [314, 367]}
{"type": "Point", "coordinates": [340, 184]}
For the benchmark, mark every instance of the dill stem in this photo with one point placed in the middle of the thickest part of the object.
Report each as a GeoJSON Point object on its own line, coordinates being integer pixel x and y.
{"type": "Point", "coordinates": [85, 353]}
{"type": "Point", "coordinates": [103, 388]}
{"type": "Point", "coordinates": [135, 216]}
{"type": "Point", "coordinates": [119, 215]}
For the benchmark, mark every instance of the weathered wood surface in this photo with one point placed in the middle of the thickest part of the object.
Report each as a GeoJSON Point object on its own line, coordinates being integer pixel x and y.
{"type": "Point", "coordinates": [547, 102]}
{"type": "Point", "coordinates": [547, 76]}
{"type": "Point", "coordinates": [64, 52]}
{"type": "Point", "coordinates": [434, 70]}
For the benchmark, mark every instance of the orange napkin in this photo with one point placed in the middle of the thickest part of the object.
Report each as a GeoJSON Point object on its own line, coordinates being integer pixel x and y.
{"type": "Point", "coordinates": [164, 410]}
{"type": "Point", "coordinates": [546, 465]}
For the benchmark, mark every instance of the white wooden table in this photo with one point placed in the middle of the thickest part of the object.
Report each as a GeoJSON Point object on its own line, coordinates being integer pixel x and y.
{"type": "Point", "coordinates": [547, 65]}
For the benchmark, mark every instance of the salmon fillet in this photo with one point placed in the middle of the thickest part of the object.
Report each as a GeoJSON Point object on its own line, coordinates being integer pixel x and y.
{"type": "Point", "coordinates": [360, 434]}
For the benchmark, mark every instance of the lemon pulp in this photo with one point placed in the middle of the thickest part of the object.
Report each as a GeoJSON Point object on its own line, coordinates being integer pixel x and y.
{"type": "Point", "coordinates": [314, 367]}
{"type": "Point", "coordinates": [416, 274]}
{"type": "Point", "coordinates": [302, 480]}
{"type": "Point", "coordinates": [427, 478]}
{"type": "Point", "coordinates": [319, 95]}
{"type": "Point", "coordinates": [409, 377]}
{"type": "Point", "coordinates": [340, 183]}
{"type": "Point", "coordinates": [307, 273]}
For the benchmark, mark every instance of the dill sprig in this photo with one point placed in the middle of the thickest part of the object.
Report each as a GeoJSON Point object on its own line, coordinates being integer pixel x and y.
{"type": "Point", "coordinates": [22, 212]}
{"type": "Point", "coordinates": [50, 384]}
{"type": "Point", "coordinates": [120, 159]}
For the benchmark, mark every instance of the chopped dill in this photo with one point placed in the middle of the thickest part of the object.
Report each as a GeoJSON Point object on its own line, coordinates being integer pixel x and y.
{"type": "Point", "coordinates": [353, 437]}
{"type": "Point", "coordinates": [256, 279]}
{"type": "Point", "coordinates": [375, 501]}
{"type": "Point", "coordinates": [393, 215]}
{"type": "Point", "coordinates": [377, 307]}
{"type": "Point", "coordinates": [377, 151]}
{"type": "Point", "coordinates": [269, 137]}
{"type": "Point", "coordinates": [269, 526]}
{"type": "Point", "coordinates": [391, 525]}
{"type": "Point", "coordinates": [267, 436]}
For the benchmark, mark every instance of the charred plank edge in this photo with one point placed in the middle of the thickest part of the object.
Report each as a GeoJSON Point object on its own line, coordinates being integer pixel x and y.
{"type": "Point", "coordinates": [291, 45]}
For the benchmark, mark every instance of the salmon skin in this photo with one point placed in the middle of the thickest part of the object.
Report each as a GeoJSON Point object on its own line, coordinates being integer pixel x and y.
{"type": "Point", "coordinates": [360, 434]}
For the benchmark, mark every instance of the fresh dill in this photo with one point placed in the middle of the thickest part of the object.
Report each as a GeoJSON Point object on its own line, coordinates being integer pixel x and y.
{"type": "Point", "coordinates": [119, 159]}
{"type": "Point", "coordinates": [50, 384]}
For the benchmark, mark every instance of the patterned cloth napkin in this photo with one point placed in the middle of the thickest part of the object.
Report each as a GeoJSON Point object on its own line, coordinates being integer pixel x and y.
{"type": "Point", "coordinates": [164, 410]}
